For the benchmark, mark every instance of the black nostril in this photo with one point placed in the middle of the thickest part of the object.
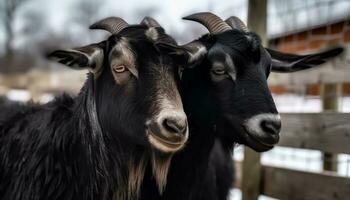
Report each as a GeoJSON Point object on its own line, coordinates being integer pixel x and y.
{"type": "Point", "coordinates": [271, 126]}
{"type": "Point", "coordinates": [175, 125]}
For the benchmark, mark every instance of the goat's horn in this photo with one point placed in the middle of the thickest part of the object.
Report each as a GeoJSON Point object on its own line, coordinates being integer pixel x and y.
{"type": "Point", "coordinates": [111, 24]}
{"type": "Point", "coordinates": [236, 23]}
{"type": "Point", "coordinates": [212, 22]}
{"type": "Point", "coordinates": [150, 22]}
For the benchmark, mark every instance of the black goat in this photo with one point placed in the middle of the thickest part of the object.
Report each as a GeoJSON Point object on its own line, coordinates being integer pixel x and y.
{"type": "Point", "coordinates": [227, 101]}
{"type": "Point", "coordinates": [128, 112]}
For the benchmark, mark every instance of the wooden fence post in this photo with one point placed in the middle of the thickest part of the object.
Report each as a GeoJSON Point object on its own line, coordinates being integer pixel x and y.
{"type": "Point", "coordinates": [251, 175]}
{"type": "Point", "coordinates": [330, 94]}
{"type": "Point", "coordinates": [251, 170]}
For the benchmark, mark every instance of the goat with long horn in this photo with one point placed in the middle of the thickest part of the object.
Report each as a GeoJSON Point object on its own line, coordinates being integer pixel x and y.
{"type": "Point", "coordinates": [227, 100]}
{"type": "Point", "coordinates": [212, 22]}
{"type": "Point", "coordinates": [111, 24]}
{"type": "Point", "coordinates": [236, 23]}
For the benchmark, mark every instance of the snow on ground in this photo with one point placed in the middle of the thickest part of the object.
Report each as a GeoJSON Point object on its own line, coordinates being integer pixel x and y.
{"type": "Point", "coordinates": [18, 95]}
{"type": "Point", "coordinates": [345, 104]}
{"type": "Point", "coordinates": [236, 194]}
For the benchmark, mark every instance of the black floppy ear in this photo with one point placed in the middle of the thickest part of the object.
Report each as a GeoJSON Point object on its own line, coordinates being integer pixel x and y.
{"type": "Point", "coordinates": [191, 53]}
{"type": "Point", "coordinates": [86, 57]}
{"type": "Point", "coordinates": [171, 49]}
{"type": "Point", "coordinates": [179, 53]}
{"type": "Point", "coordinates": [285, 63]}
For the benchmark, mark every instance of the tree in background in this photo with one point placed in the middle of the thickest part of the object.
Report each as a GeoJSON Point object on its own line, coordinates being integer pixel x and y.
{"type": "Point", "coordinates": [86, 13]}
{"type": "Point", "coordinates": [8, 10]}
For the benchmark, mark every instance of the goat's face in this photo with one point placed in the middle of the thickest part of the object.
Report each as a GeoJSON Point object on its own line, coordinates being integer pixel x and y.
{"type": "Point", "coordinates": [231, 81]}
{"type": "Point", "coordinates": [238, 68]}
{"type": "Point", "coordinates": [137, 93]}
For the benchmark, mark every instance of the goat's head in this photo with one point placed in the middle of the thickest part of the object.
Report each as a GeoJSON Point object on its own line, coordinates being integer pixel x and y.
{"type": "Point", "coordinates": [233, 64]}
{"type": "Point", "coordinates": [136, 84]}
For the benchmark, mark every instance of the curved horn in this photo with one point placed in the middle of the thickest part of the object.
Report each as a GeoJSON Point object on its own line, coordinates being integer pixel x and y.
{"type": "Point", "coordinates": [236, 23]}
{"type": "Point", "coordinates": [150, 22]}
{"type": "Point", "coordinates": [111, 24]}
{"type": "Point", "coordinates": [212, 22]}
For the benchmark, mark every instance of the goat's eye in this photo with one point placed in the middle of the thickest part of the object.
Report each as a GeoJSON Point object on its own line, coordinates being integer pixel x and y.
{"type": "Point", "coordinates": [119, 68]}
{"type": "Point", "coordinates": [219, 71]}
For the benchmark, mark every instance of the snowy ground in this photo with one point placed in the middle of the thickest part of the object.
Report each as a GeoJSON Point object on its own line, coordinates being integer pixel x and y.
{"type": "Point", "coordinates": [299, 159]}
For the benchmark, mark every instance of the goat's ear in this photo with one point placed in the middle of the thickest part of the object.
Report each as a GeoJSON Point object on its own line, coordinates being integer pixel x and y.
{"type": "Point", "coordinates": [191, 54]}
{"type": "Point", "coordinates": [285, 63]}
{"type": "Point", "coordinates": [86, 57]}
{"type": "Point", "coordinates": [178, 52]}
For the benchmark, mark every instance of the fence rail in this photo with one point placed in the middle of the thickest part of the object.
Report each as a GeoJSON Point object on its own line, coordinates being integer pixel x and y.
{"type": "Point", "coordinates": [292, 184]}
{"type": "Point", "coordinates": [284, 183]}
{"type": "Point", "coordinates": [327, 132]}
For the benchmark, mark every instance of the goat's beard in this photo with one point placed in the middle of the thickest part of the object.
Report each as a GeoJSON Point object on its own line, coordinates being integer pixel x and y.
{"type": "Point", "coordinates": [160, 167]}
{"type": "Point", "coordinates": [129, 185]}
{"type": "Point", "coordinates": [136, 170]}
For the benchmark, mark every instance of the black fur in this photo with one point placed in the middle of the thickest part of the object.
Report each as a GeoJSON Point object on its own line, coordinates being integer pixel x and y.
{"type": "Point", "coordinates": [204, 170]}
{"type": "Point", "coordinates": [216, 111]}
{"type": "Point", "coordinates": [47, 149]}
{"type": "Point", "coordinates": [79, 148]}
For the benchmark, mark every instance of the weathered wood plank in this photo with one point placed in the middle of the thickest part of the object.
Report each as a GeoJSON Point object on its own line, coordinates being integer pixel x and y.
{"type": "Point", "coordinates": [237, 171]}
{"type": "Point", "coordinates": [257, 12]}
{"type": "Point", "coordinates": [251, 175]}
{"type": "Point", "coordinates": [330, 95]}
{"type": "Point", "coordinates": [290, 184]}
{"type": "Point", "coordinates": [327, 132]}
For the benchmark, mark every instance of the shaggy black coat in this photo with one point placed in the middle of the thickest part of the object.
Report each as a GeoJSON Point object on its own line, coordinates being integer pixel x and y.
{"type": "Point", "coordinates": [69, 158]}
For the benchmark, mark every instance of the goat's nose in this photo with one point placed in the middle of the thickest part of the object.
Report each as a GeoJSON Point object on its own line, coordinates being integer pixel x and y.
{"type": "Point", "coordinates": [264, 128]}
{"type": "Point", "coordinates": [175, 125]}
{"type": "Point", "coordinates": [271, 125]}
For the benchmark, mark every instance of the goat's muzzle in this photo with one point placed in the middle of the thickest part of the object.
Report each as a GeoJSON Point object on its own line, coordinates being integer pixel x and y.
{"type": "Point", "coordinates": [169, 132]}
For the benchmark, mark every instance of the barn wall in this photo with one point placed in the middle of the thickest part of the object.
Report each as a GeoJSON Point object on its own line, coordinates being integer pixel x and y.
{"type": "Point", "coordinates": [314, 40]}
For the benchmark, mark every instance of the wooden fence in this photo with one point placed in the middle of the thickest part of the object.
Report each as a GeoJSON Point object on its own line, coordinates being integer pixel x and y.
{"type": "Point", "coordinates": [327, 132]}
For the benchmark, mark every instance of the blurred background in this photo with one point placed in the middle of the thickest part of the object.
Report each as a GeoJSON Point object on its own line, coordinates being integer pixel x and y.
{"type": "Point", "coordinates": [31, 28]}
